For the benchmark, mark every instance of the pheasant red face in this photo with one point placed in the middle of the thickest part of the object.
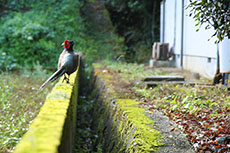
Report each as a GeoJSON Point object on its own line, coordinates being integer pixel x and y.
{"type": "Point", "coordinates": [66, 44]}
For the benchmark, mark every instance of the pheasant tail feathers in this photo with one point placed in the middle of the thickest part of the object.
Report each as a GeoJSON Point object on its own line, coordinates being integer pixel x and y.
{"type": "Point", "coordinates": [55, 76]}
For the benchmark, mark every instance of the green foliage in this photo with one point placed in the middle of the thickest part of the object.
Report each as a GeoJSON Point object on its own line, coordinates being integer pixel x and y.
{"type": "Point", "coordinates": [34, 35]}
{"type": "Point", "coordinates": [6, 62]}
{"type": "Point", "coordinates": [8, 6]}
{"type": "Point", "coordinates": [26, 40]}
{"type": "Point", "coordinates": [213, 12]}
{"type": "Point", "coordinates": [37, 34]}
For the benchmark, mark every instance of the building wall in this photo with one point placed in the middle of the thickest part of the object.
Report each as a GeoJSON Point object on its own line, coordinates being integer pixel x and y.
{"type": "Point", "coordinates": [204, 47]}
{"type": "Point", "coordinates": [169, 22]}
{"type": "Point", "coordinates": [199, 53]}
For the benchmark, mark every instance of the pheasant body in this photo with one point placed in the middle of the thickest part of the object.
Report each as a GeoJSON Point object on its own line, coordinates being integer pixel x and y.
{"type": "Point", "coordinates": [67, 63]}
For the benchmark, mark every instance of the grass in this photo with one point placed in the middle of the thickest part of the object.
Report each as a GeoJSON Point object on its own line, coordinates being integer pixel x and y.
{"type": "Point", "coordinates": [132, 71]}
{"type": "Point", "coordinates": [20, 102]}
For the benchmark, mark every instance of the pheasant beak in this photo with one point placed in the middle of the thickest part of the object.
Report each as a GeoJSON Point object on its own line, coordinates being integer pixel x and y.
{"type": "Point", "coordinates": [63, 44]}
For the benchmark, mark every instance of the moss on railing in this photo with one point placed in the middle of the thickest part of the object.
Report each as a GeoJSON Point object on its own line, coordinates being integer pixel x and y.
{"type": "Point", "coordinates": [53, 130]}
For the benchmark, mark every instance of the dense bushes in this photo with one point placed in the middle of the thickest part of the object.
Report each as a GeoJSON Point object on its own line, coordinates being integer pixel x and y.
{"type": "Point", "coordinates": [26, 39]}
{"type": "Point", "coordinates": [36, 35]}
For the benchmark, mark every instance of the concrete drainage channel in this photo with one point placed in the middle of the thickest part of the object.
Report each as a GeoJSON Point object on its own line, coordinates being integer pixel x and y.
{"type": "Point", "coordinates": [104, 123]}
{"type": "Point", "coordinates": [122, 125]}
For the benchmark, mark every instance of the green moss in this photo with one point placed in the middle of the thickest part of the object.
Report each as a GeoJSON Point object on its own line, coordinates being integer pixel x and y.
{"type": "Point", "coordinates": [45, 133]}
{"type": "Point", "coordinates": [145, 137]}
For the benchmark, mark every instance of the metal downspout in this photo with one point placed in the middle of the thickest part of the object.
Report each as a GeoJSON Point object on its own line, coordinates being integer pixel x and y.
{"type": "Point", "coordinates": [163, 39]}
{"type": "Point", "coordinates": [182, 35]}
{"type": "Point", "coordinates": [175, 17]}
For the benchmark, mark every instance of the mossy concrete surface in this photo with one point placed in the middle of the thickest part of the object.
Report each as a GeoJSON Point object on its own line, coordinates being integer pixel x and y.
{"type": "Point", "coordinates": [122, 124]}
{"type": "Point", "coordinates": [53, 130]}
{"type": "Point", "coordinates": [131, 120]}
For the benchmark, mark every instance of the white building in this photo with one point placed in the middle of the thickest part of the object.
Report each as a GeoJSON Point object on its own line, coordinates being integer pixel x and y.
{"type": "Point", "coordinates": [193, 50]}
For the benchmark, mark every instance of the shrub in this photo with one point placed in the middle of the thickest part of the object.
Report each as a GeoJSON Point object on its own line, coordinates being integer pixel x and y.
{"type": "Point", "coordinates": [26, 40]}
{"type": "Point", "coordinates": [7, 62]}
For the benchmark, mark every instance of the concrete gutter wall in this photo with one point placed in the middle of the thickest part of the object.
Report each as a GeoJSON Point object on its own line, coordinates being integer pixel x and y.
{"type": "Point", "coordinates": [121, 124]}
{"type": "Point", "coordinates": [53, 130]}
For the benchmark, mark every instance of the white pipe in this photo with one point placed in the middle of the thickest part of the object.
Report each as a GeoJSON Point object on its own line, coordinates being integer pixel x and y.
{"type": "Point", "coordinates": [225, 56]}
